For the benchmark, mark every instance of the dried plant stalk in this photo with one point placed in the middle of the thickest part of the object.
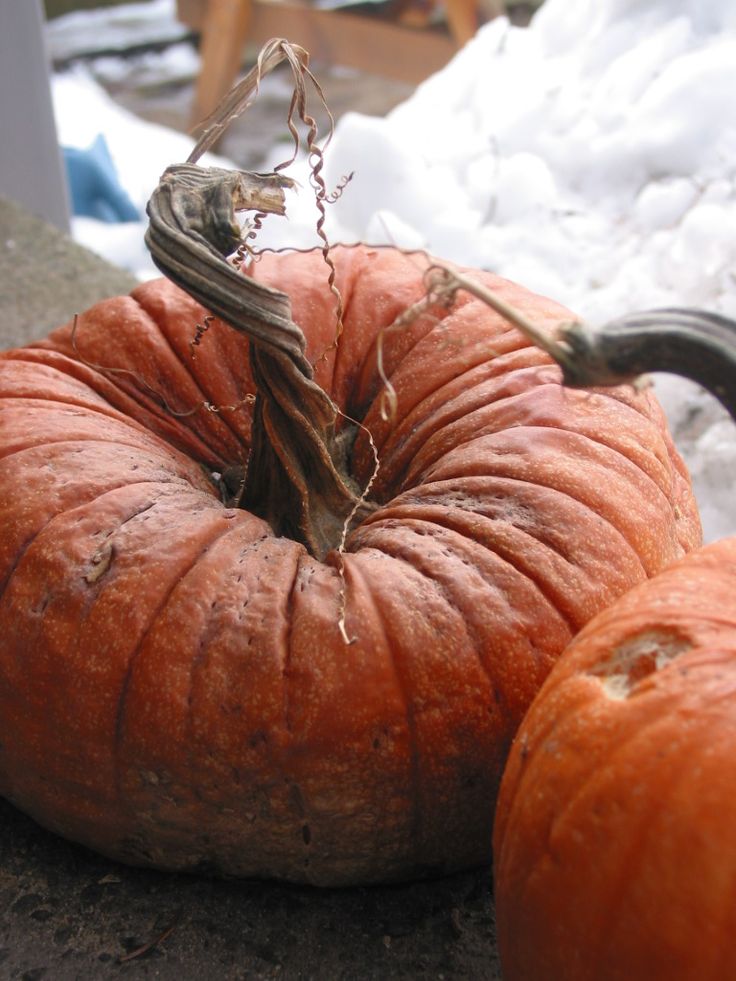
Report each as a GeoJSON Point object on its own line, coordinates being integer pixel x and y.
{"type": "Point", "coordinates": [693, 343]}
{"type": "Point", "coordinates": [297, 476]}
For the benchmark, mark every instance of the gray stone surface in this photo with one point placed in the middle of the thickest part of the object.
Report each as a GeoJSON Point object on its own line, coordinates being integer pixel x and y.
{"type": "Point", "coordinates": [69, 915]}
{"type": "Point", "coordinates": [45, 278]}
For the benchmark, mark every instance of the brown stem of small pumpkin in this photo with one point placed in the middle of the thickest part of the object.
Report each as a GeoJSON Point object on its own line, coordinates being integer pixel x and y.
{"type": "Point", "coordinates": [692, 343]}
{"type": "Point", "coordinates": [297, 475]}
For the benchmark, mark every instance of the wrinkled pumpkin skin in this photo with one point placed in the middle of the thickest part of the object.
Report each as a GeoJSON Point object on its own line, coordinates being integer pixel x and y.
{"type": "Point", "coordinates": [615, 835]}
{"type": "Point", "coordinates": [174, 688]}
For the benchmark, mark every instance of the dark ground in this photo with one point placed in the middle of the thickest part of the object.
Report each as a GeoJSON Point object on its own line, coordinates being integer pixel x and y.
{"type": "Point", "coordinates": [70, 915]}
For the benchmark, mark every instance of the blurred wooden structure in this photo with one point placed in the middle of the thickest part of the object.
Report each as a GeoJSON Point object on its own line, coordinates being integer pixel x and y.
{"type": "Point", "coordinates": [380, 45]}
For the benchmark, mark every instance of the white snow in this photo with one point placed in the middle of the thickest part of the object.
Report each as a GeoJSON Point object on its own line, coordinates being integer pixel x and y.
{"type": "Point", "coordinates": [591, 157]}
{"type": "Point", "coordinates": [113, 29]}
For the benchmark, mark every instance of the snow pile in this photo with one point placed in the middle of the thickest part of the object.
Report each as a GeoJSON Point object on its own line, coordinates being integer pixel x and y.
{"type": "Point", "coordinates": [591, 157]}
{"type": "Point", "coordinates": [113, 29]}
{"type": "Point", "coordinates": [177, 63]}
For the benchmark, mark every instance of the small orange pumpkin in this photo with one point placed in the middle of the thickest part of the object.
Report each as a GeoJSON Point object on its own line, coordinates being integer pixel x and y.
{"type": "Point", "coordinates": [615, 835]}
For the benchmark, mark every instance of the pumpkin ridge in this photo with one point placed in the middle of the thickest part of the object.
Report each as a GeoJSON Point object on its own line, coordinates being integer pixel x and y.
{"type": "Point", "coordinates": [205, 638]}
{"type": "Point", "coordinates": [424, 566]}
{"type": "Point", "coordinates": [23, 547]}
{"type": "Point", "coordinates": [286, 660]}
{"type": "Point", "coordinates": [505, 489]}
{"type": "Point", "coordinates": [602, 439]}
{"type": "Point", "coordinates": [127, 435]}
{"type": "Point", "coordinates": [115, 375]}
{"type": "Point", "coordinates": [436, 321]}
{"type": "Point", "coordinates": [473, 748]}
{"type": "Point", "coordinates": [223, 417]}
{"type": "Point", "coordinates": [444, 513]}
{"type": "Point", "coordinates": [415, 761]}
{"type": "Point", "coordinates": [478, 648]}
{"type": "Point", "coordinates": [130, 398]}
{"type": "Point", "coordinates": [571, 419]}
{"type": "Point", "coordinates": [498, 328]}
{"type": "Point", "coordinates": [63, 577]}
{"type": "Point", "coordinates": [497, 370]}
{"type": "Point", "coordinates": [106, 411]}
{"type": "Point", "coordinates": [409, 442]}
{"type": "Point", "coordinates": [506, 554]}
{"type": "Point", "coordinates": [354, 570]}
{"type": "Point", "coordinates": [149, 451]}
{"type": "Point", "coordinates": [395, 650]}
{"type": "Point", "coordinates": [468, 311]}
{"type": "Point", "coordinates": [544, 476]}
{"type": "Point", "coordinates": [416, 563]}
{"type": "Point", "coordinates": [539, 586]}
{"type": "Point", "coordinates": [199, 662]}
{"type": "Point", "coordinates": [383, 433]}
{"type": "Point", "coordinates": [85, 398]}
{"type": "Point", "coordinates": [120, 720]}
{"type": "Point", "coordinates": [158, 420]}
{"type": "Point", "coordinates": [139, 386]}
{"type": "Point", "coordinates": [602, 443]}
{"type": "Point", "coordinates": [638, 399]}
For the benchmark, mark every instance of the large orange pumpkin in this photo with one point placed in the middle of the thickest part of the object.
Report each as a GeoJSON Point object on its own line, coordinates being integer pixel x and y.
{"type": "Point", "coordinates": [183, 684]}
{"type": "Point", "coordinates": [615, 836]}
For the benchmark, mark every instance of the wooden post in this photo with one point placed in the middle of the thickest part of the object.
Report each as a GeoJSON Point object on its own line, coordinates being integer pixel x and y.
{"type": "Point", "coordinates": [462, 19]}
{"type": "Point", "coordinates": [31, 170]}
{"type": "Point", "coordinates": [224, 33]}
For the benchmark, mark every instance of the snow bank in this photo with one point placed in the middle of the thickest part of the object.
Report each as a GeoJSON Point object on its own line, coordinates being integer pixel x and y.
{"type": "Point", "coordinates": [591, 156]}
{"type": "Point", "coordinates": [113, 29]}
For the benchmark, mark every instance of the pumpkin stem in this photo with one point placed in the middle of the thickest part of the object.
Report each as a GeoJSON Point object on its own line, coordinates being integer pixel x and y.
{"type": "Point", "coordinates": [693, 343]}
{"type": "Point", "coordinates": [297, 474]}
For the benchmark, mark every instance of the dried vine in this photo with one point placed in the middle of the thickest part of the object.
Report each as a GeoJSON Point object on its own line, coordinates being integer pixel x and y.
{"type": "Point", "coordinates": [695, 344]}
{"type": "Point", "coordinates": [297, 476]}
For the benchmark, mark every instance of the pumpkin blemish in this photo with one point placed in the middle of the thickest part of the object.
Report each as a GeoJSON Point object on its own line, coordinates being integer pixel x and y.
{"type": "Point", "coordinates": [636, 659]}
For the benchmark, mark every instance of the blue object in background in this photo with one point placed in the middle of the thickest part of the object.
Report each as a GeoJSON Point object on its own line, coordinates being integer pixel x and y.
{"type": "Point", "coordinates": [93, 184]}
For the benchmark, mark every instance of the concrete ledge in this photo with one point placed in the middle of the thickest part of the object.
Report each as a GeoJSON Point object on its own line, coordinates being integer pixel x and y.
{"type": "Point", "coordinates": [45, 278]}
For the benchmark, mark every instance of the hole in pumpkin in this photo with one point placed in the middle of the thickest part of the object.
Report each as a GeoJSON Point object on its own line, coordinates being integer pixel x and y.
{"type": "Point", "coordinates": [636, 659]}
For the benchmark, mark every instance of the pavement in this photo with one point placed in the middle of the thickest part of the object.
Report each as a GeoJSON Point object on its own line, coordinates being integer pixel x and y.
{"type": "Point", "coordinates": [70, 915]}
{"type": "Point", "coordinates": [45, 278]}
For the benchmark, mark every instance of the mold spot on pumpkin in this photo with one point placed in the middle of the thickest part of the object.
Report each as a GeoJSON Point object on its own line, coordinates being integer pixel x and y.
{"type": "Point", "coordinates": [100, 563]}
{"type": "Point", "coordinates": [637, 658]}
